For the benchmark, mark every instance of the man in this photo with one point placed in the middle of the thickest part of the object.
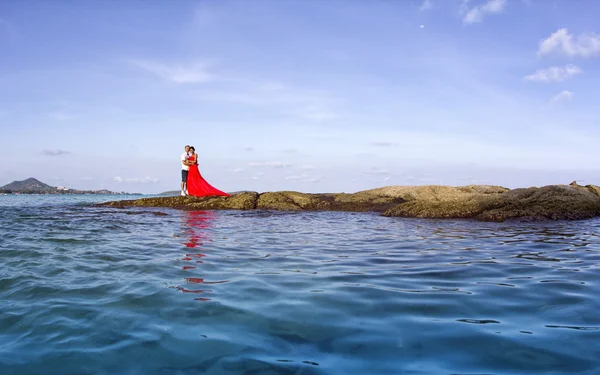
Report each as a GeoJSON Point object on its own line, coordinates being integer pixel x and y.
{"type": "Point", "coordinates": [185, 167]}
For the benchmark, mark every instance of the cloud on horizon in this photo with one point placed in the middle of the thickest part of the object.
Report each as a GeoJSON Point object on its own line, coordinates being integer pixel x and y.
{"type": "Point", "coordinates": [303, 178]}
{"type": "Point", "coordinates": [133, 180]}
{"type": "Point", "coordinates": [55, 152]}
{"type": "Point", "coordinates": [274, 164]}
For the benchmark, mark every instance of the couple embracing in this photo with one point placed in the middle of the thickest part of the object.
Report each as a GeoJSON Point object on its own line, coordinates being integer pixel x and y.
{"type": "Point", "coordinates": [192, 182]}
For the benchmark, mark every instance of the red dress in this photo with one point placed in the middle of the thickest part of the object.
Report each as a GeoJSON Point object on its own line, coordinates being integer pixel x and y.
{"type": "Point", "coordinates": [197, 186]}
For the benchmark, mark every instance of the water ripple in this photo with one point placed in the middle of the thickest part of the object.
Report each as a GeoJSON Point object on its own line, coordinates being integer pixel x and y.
{"type": "Point", "coordinates": [141, 291]}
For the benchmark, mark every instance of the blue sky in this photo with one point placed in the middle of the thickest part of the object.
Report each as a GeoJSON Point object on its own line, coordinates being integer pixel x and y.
{"type": "Point", "coordinates": [302, 95]}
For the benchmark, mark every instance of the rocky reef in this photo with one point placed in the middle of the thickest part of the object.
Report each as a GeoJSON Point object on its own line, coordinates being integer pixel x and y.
{"type": "Point", "coordinates": [281, 201]}
{"type": "Point", "coordinates": [480, 202]}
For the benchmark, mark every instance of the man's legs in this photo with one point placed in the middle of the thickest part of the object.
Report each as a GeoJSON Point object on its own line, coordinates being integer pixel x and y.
{"type": "Point", "coordinates": [184, 175]}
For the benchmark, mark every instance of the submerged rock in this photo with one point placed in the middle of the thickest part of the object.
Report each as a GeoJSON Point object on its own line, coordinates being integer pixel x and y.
{"type": "Point", "coordinates": [481, 202]}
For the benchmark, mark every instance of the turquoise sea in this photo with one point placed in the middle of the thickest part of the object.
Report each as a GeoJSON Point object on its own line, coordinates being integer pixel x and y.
{"type": "Point", "coordinates": [93, 290]}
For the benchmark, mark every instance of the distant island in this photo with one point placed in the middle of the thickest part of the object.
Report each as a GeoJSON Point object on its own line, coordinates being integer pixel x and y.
{"type": "Point", "coordinates": [170, 193]}
{"type": "Point", "coordinates": [34, 186]}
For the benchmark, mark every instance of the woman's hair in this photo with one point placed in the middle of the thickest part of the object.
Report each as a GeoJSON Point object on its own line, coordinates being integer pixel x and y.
{"type": "Point", "coordinates": [192, 148]}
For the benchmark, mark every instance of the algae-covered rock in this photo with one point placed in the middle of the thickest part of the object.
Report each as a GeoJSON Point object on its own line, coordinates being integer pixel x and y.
{"type": "Point", "coordinates": [448, 205]}
{"type": "Point", "coordinates": [283, 201]}
{"type": "Point", "coordinates": [554, 202]}
{"type": "Point", "coordinates": [593, 189]}
{"type": "Point", "coordinates": [241, 201]}
{"type": "Point", "coordinates": [436, 192]}
{"type": "Point", "coordinates": [291, 200]}
{"type": "Point", "coordinates": [481, 202]}
{"type": "Point", "coordinates": [434, 201]}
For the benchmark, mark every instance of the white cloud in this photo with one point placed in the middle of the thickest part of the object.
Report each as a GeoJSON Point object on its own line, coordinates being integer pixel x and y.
{"type": "Point", "coordinates": [563, 96]}
{"type": "Point", "coordinates": [554, 73]}
{"type": "Point", "coordinates": [62, 116]}
{"type": "Point", "coordinates": [377, 171]}
{"type": "Point", "coordinates": [318, 114]}
{"type": "Point", "coordinates": [308, 167]}
{"type": "Point", "coordinates": [476, 14]}
{"type": "Point", "coordinates": [55, 152]}
{"type": "Point", "coordinates": [190, 73]}
{"type": "Point", "coordinates": [274, 164]}
{"type": "Point", "coordinates": [563, 43]}
{"type": "Point", "coordinates": [144, 180]}
{"type": "Point", "coordinates": [426, 5]}
{"type": "Point", "coordinates": [237, 170]}
{"type": "Point", "coordinates": [383, 144]}
{"type": "Point", "coordinates": [303, 178]}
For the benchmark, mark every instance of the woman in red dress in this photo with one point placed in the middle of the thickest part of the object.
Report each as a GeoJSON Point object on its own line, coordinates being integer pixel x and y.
{"type": "Point", "coordinates": [196, 185]}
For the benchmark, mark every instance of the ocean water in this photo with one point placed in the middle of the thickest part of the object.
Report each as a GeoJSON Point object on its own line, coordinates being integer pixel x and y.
{"type": "Point", "coordinates": [93, 290]}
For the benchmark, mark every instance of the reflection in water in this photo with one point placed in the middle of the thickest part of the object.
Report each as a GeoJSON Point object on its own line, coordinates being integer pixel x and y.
{"type": "Point", "coordinates": [196, 230]}
{"type": "Point", "coordinates": [196, 225]}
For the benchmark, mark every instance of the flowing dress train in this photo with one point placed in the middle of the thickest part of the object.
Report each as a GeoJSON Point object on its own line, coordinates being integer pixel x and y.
{"type": "Point", "coordinates": [197, 186]}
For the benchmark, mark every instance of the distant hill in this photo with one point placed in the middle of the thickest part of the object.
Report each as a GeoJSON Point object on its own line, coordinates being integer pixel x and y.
{"type": "Point", "coordinates": [35, 186]}
{"type": "Point", "coordinates": [173, 192]}
{"type": "Point", "coordinates": [30, 184]}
